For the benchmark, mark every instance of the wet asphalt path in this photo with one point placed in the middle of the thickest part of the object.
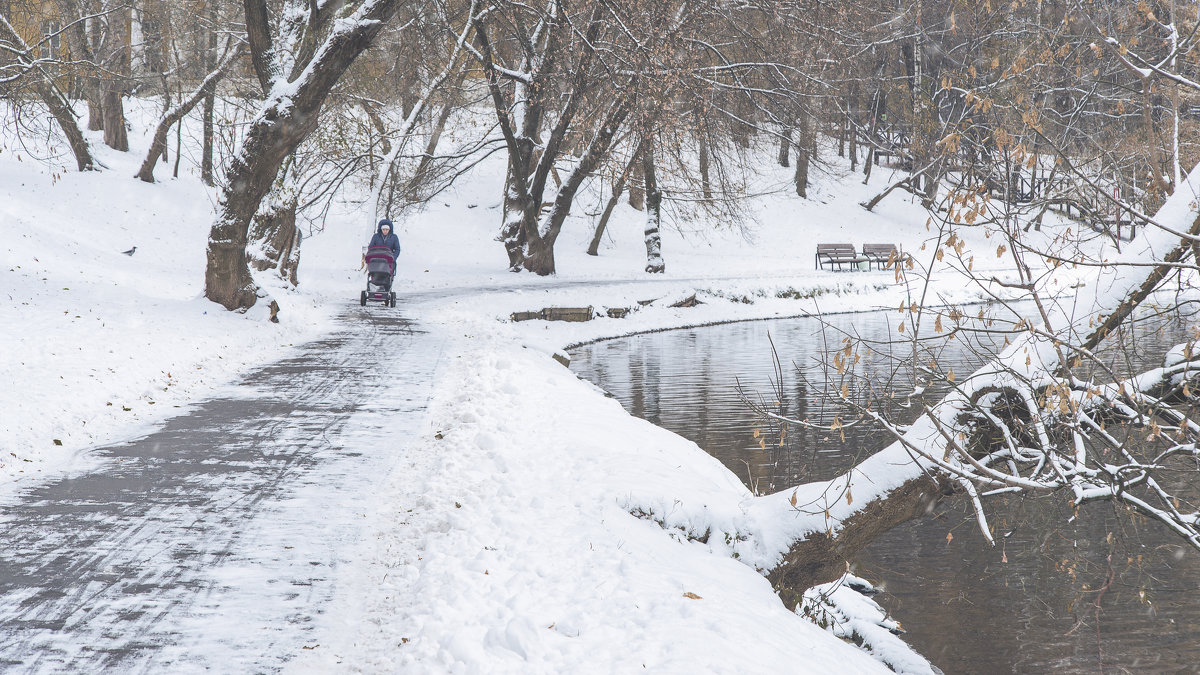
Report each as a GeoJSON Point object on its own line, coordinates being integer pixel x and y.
{"type": "Point", "coordinates": [209, 543]}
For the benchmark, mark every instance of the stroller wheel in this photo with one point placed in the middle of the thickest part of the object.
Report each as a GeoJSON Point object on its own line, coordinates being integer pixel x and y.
{"type": "Point", "coordinates": [362, 299]}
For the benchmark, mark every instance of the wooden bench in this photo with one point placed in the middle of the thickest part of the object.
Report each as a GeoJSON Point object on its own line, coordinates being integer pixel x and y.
{"type": "Point", "coordinates": [880, 254]}
{"type": "Point", "coordinates": [838, 254]}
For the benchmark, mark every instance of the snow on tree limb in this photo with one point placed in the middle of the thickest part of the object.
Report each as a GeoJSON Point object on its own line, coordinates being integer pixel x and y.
{"type": "Point", "coordinates": [932, 453]}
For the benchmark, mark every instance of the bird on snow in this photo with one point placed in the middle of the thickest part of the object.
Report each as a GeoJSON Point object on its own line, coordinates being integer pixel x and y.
{"type": "Point", "coordinates": [130, 251]}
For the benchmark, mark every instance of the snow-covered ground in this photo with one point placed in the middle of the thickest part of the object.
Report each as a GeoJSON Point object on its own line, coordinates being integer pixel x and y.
{"type": "Point", "coordinates": [503, 539]}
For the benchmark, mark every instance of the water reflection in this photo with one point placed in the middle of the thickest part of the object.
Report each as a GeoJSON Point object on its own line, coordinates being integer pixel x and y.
{"type": "Point", "coordinates": [1027, 606]}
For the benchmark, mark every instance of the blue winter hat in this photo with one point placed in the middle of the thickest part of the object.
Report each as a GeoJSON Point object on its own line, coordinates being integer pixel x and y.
{"type": "Point", "coordinates": [387, 222]}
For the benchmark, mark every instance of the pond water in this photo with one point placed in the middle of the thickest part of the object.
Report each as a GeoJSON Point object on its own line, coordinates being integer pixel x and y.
{"type": "Point", "coordinates": [1024, 606]}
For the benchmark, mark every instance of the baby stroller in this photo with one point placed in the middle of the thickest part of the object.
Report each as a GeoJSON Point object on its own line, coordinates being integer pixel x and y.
{"type": "Point", "coordinates": [381, 268]}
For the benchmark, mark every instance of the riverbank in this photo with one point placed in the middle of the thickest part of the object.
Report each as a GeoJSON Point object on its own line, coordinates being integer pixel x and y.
{"type": "Point", "coordinates": [534, 526]}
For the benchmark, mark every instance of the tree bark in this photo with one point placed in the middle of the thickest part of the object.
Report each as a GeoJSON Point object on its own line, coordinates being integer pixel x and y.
{"type": "Point", "coordinates": [210, 100]}
{"type": "Point", "coordinates": [115, 135]}
{"type": "Point", "coordinates": [877, 108]}
{"type": "Point", "coordinates": [274, 228]}
{"type": "Point", "coordinates": [852, 131]}
{"type": "Point", "coordinates": [258, 35]}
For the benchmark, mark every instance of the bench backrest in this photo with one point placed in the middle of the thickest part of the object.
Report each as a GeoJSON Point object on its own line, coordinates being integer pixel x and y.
{"type": "Point", "coordinates": [842, 249]}
{"type": "Point", "coordinates": [882, 250]}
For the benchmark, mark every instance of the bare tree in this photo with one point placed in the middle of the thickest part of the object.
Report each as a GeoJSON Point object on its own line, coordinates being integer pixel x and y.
{"type": "Point", "coordinates": [522, 96]}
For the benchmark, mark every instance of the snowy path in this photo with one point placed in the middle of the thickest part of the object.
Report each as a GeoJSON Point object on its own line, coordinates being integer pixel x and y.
{"type": "Point", "coordinates": [210, 544]}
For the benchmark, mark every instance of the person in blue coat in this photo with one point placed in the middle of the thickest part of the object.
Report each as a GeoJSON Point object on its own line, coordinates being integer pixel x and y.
{"type": "Point", "coordinates": [385, 237]}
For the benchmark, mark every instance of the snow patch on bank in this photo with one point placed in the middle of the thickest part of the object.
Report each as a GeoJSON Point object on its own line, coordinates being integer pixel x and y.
{"type": "Point", "coordinates": [512, 547]}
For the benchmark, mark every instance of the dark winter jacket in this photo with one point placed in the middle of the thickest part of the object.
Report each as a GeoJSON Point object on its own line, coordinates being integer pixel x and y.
{"type": "Point", "coordinates": [391, 240]}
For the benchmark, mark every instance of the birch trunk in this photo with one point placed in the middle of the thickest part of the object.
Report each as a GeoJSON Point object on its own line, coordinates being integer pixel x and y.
{"type": "Point", "coordinates": [654, 259]}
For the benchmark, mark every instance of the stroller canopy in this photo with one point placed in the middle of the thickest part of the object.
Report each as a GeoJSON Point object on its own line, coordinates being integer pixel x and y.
{"type": "Point", "coordinates": [379, 259]}
{"type": "Point", "coordinates": [380, 252]}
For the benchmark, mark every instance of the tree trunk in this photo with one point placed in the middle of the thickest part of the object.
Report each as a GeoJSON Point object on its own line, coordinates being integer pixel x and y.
{"type": "Point", "coordinates": [114, 82]}
{"type": "Point", "coordinates": [876, 110]}
{"type": "Point", "coordinates": [539, 257]}
{"type": "Point", "coordinates": [166, 110]}
{"type": "Point", "coordinates": [785, 147]}
{"type": "Point", "coordinates": [594, 246]}
{"type": "Point", "coordinates": [115, 135]}
{"type": "Point", "coordinates": [852, 132]}
{"type": "Point", "coordinates": [803, 153]}
{"type": "Point", "coordinates": [94, 88]}
{"type": "Point", "coordinates": [618, 188]}
{"type": "Point", "coordinates": [88, 84]}
{"type": "Point", "coordinates": [654, 259]}
{"type": "Point", "coordinates": [822, 558]}
{"type": "Point", "coordinates": [178, 150]}
{"type": "Point", "coordinates": [512, 231]}
{"type": "Point", "coordinates": [637, 188]}
{"type": "Point", "coordinates": [281, 124]}
{"type": "Point", "coordinates": [842, 137]}
{"type": "Point", "coordinates": [206, 154]}
{"type": "Point", "coordinates": [705, 179]}
{"type": "Point", "coordinates": [289, 261]}
{"type": "Point", "coordinates": [210, 100]}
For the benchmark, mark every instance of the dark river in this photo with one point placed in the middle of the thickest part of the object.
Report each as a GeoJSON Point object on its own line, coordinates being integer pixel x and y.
{"type": "Point", "coordinates": [1029, 605]}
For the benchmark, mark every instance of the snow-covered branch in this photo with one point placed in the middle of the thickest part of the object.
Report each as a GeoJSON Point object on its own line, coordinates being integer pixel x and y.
{"type": "Point", "coordinates": [1021, 423]}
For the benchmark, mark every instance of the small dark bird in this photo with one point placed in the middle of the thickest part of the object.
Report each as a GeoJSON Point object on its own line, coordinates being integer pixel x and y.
{"type": "Point", "coordinates": [130, 251]}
